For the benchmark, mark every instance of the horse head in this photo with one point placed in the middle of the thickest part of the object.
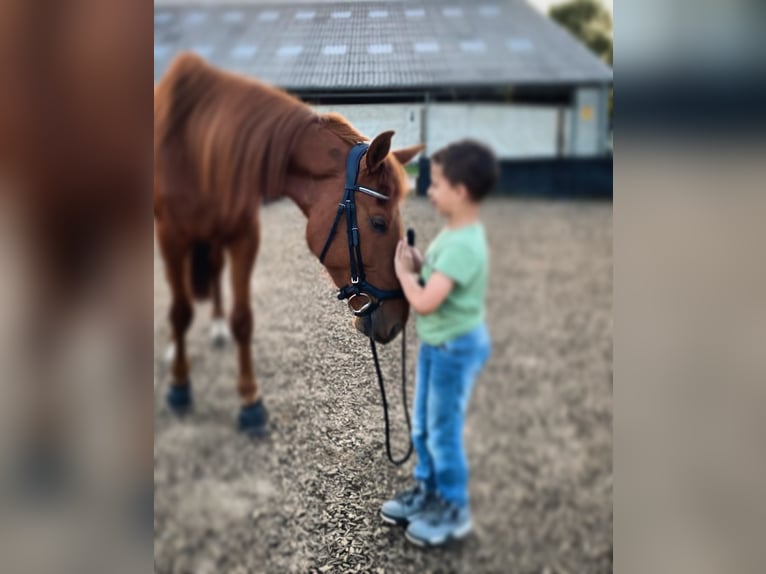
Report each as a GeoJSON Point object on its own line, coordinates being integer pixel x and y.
{"type": "Point", "coordinates": [354, 227]}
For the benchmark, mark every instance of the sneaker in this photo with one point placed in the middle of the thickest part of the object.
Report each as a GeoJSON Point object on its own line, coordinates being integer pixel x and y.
{"type": "Point", "coordinates": [405, 505]}
{"type": "Point", "coordinates": [441, 522]}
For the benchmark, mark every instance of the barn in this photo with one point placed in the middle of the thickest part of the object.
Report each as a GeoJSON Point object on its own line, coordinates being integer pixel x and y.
{"type": "Point", "coordinates": [433, 70]}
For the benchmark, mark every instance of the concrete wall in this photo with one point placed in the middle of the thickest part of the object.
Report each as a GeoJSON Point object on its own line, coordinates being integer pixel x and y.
{"type": "Point", "coordinates": [513, 131]}
{"type": "Point", "coordinates": [371, 119]}
{"type": "Point", "coordinates": [588, 122]}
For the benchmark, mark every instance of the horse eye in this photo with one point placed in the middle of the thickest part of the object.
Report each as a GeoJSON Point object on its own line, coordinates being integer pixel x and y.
{"type": "Point", "coordinates": [379, 224]}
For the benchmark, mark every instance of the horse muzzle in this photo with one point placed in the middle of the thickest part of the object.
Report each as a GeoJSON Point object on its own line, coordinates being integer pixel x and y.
{"type": "Point", "coordinates": [374, 326]}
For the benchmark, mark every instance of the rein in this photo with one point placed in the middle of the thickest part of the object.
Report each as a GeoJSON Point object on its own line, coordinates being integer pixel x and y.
{"type": "Point", "coordinates": [370, 295]}
{"type": "Point", "coordinates": [385, 402]}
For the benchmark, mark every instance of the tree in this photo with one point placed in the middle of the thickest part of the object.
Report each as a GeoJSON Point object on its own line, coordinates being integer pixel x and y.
{"type": "Point", "coordinates": [589, 21]}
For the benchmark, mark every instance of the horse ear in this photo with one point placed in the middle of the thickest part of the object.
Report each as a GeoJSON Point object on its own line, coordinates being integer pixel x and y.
{"type": "Point", "coordinates": [405, 155]}
{"type": "Point", "coordinates": [378, 150]}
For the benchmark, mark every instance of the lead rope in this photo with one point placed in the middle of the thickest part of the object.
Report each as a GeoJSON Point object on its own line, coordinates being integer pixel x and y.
{"type": "Point", "coordinates": [383, 396]}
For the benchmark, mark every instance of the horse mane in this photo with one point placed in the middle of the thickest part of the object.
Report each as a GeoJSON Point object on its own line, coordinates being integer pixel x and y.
{"type": "Point", "coordinates": [229, 132]}
{"type": "Point", "coordinates": [339, 125]}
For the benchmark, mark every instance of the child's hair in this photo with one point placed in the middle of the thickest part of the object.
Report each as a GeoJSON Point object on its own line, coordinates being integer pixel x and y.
{"type": "Point", "coordinates": [471, 163]}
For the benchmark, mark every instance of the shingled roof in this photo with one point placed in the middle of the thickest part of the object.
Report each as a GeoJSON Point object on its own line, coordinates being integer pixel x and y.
{"type": "Point", "coordinates": [346, 46]}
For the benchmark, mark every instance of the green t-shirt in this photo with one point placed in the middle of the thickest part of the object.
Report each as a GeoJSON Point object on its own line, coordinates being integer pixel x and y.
{"type": "Point", "coordinates": [462, 255]}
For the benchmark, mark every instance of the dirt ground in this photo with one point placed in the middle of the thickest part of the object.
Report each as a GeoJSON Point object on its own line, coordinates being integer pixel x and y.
{"type": "Point", "coordinates": [306, 499]}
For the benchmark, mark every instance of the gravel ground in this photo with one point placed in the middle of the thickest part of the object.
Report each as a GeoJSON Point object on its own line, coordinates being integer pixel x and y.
{"type": "Point", "coordinates": [306, 499]}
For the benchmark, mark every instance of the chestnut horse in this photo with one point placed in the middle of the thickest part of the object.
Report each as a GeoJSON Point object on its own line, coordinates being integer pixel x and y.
{"type": "Point", "coordinates": [222, 145]}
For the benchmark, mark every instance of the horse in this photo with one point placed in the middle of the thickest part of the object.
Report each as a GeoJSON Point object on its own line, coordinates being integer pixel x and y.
{"type": "Point", "coordinates": [223, 145]}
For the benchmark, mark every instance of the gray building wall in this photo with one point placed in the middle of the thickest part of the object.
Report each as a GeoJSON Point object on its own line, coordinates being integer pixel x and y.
{"type": "Point", "coordinates": [513, 131]}
{"type": "Point", "coordinates": [371, 119]}
{"type": "Point", "coordinates": [588, 122]}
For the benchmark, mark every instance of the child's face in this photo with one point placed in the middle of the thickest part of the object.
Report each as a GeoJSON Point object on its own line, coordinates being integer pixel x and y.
{"type": "Point", "coordinates": [445, 197]}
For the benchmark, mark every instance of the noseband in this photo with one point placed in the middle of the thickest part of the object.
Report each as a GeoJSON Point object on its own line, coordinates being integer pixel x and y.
{"type": "Point", "coordinates": [370, 296]}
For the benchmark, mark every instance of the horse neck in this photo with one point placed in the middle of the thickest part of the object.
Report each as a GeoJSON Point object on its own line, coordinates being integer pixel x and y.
{"type": "Point", "coordinates": [317, 159]}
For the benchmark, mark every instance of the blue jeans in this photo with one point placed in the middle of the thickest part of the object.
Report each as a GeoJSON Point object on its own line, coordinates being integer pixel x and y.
{"type": "Point", "coordinates": [445, 378]}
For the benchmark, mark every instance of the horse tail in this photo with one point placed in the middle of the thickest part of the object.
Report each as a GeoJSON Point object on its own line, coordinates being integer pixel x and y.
{"type": "Point", "coordinates": [201, 269]}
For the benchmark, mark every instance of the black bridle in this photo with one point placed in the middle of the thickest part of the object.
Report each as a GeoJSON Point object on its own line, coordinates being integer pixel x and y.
{"type": "Point", "coordinates": [360, 288]}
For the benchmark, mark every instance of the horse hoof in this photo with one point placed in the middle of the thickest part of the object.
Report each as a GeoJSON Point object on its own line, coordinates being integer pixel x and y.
{"type": "Point", "coordinates": [179, 399]}
{"type": "Point", "coordinates": [253, 419]}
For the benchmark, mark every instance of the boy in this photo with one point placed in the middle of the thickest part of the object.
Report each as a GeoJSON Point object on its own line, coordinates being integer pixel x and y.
{"type": "Point", "coordinates": [455, 344]}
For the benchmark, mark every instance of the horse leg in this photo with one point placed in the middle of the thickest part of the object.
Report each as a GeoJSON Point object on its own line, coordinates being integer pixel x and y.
{"type": "Point", "coordinates": [219, 332]}
{"type": "Point", "coordinates": [179, 396]}
{"type": "Point", "coordinates": [252, 415]}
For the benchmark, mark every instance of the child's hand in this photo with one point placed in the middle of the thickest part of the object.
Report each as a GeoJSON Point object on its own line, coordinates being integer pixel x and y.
{"type": "Point", "coordinates": [404, 261]}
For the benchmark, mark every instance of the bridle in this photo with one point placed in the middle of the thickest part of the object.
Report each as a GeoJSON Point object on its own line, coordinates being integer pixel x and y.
{"type": "Point", "coordinates": [359, 287]}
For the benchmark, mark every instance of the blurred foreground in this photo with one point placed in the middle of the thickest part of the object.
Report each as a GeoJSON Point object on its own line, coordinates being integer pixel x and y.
{"type": "Point", "coordinates": [75, 298]}
{"type": "Point", "coordinates": [690, 287]}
